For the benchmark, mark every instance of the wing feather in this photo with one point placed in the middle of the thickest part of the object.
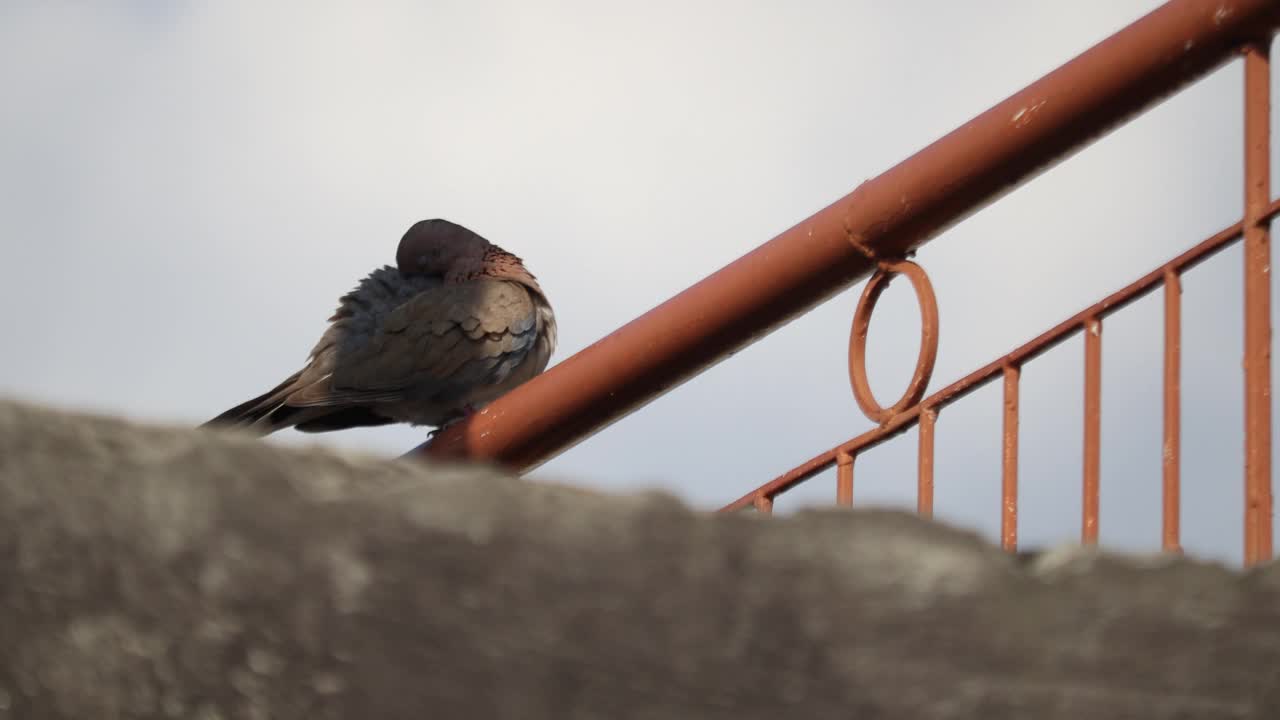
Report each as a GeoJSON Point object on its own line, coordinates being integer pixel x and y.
{"type": "Point", "coordinates": [438, 343]}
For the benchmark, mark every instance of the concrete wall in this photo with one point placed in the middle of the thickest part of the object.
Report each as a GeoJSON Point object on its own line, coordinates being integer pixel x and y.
{"type": "Point", "coordinates": [149, 572]}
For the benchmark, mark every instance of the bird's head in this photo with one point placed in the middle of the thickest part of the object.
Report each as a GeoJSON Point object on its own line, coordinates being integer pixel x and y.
{"type": "Point", "coordinates": [455, 254]}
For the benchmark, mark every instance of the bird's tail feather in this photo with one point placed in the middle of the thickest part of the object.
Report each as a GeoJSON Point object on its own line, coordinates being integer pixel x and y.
{"type": "Point", "coordinates": [263, 414]}
{"type": "Point", "coordinates": [270, 412]}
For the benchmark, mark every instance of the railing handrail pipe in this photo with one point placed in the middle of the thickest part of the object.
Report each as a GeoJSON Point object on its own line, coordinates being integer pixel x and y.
{"type": "Point", "coordinates": [887, 217]}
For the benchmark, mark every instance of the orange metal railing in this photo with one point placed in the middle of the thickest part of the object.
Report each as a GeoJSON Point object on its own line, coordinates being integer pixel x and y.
{"type": "Point", "coordinates": [914, 410]}
{"type": "Point", "coordinates": [875, 228]}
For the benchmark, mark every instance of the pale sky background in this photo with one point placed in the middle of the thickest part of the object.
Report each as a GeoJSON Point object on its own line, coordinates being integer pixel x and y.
{"type": "Point", "coordinates": [186, 189]}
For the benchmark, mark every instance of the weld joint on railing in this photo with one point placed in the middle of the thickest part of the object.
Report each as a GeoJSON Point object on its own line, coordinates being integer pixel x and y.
{"type": "Point", "coordinates": [763, 504]}
{"type": "Point", "coordinates": [844, 478]}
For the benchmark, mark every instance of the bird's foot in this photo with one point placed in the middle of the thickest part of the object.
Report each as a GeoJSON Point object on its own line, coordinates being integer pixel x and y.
{"type": "Point", "coordinates": [465, 412]}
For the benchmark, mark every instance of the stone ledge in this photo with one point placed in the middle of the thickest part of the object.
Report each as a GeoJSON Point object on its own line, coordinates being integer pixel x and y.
{"type": "Point", "coordinates": [159, 572]}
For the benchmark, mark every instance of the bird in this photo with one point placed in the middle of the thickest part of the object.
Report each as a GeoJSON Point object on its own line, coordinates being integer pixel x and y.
{"type": "Point", "coordinates": [455, 324]}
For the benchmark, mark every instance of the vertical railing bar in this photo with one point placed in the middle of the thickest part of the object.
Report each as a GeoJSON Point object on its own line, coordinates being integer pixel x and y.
{"type": "Point", "coordinates": [1092, 427]}
{"type": "Point", "coordinates": [924, 476]}
{"type": "Point", "coordinates": [1009, 476]}
{"type": "Point", "coordinates": [1172, 451]}
{"type": "Point", "coordinates": [1257, 303]}
{"type": "Point", "coordinates": [844, 479]}
{"type": "Point", "coordinates": [764, 504]}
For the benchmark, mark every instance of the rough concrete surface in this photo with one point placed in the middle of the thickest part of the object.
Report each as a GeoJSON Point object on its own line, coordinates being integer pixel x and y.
{"type": "Point", "coordinates": [152, 572]}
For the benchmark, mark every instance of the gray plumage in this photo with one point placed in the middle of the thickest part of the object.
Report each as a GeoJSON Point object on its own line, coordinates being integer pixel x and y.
{"type": "Point", "coordinates": [457, 323]}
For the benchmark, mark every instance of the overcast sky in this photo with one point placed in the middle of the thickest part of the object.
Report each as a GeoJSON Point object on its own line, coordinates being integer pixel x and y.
{"type": "Point", "coordinates": [186, 189]}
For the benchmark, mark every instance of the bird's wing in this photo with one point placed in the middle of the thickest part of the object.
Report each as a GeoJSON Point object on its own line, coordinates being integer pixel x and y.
{"type": "Point", "coordinates": [440, 344]}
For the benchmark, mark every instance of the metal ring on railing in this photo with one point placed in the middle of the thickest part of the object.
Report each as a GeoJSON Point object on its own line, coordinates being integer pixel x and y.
{"type": "Point", "coordinates": [858, 339]}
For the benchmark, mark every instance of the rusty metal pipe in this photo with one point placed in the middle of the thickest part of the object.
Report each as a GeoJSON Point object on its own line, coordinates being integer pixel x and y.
{"type": "Point", "coordinates": [1257, 303]}
{"type": "Point", "coordinates": [1092, 428]}
{"type": "Point", "coordinates": [839, 245]}
{"type": "Point", "coordinates": [1172, 451]}
{"type": "Point", "coordinates": [1009, 461]}
{"type": "Point", "coordinates": [924, 455]}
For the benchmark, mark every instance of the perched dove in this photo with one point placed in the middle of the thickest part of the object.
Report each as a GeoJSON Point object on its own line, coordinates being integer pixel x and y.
{"type": "Point", "coordinates": [458, 322]}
